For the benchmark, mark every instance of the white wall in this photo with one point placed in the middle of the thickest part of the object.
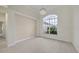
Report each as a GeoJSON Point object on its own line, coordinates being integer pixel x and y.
{"type": "Point", "coordinates": [10, 27]}
{"type": "Point", "coordinates": [25, 27]}
{"type": "Point", "coordinates": [19, 26]}
{"type": "Point", "coordinates": [76, 27]}
{"type": "Point", "coordinates": [64, 24]}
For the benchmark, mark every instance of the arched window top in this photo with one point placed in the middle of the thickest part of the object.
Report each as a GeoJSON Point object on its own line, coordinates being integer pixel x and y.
{"type": "Point", "coordinates": [50, 19]}
{"type": "Point", "coordinates": [50, 16]}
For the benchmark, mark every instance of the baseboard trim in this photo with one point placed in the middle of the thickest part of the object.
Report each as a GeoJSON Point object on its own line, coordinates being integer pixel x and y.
{"type": "Point", "coordinates": [18, 41]}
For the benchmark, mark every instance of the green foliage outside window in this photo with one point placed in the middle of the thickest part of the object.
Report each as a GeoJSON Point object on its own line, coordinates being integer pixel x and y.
{"type": "Point", "coordinates": [52, 30]}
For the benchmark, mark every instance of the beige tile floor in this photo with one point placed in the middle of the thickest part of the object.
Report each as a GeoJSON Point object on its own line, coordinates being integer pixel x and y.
{"type": "Point", "coordinates": [40, 45]}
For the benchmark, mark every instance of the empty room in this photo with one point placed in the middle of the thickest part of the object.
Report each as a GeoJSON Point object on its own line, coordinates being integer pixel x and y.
{"type": "Point", "coordinates": [39, 29]}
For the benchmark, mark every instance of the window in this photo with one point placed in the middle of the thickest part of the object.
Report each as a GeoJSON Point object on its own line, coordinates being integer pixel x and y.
{"type": "Point", "coordinates": [50, 24]}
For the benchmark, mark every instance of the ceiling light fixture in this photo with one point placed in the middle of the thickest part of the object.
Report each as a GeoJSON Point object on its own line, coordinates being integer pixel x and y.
{"type": "Point", "coordinates": [43, 11]}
